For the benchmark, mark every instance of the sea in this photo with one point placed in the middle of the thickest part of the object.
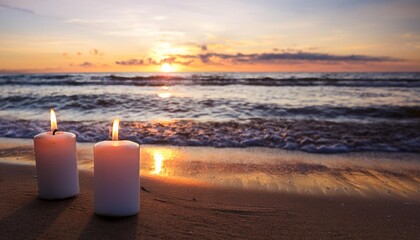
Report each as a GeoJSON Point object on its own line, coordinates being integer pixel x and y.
{"type": "Point", "coordinates": [310, 112]}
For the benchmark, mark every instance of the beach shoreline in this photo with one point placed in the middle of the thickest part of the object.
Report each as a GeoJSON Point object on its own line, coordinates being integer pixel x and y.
{"type": "Point", "coordinates": [176, 207]}
{"type": "Point", "coordinates": [358, 174]}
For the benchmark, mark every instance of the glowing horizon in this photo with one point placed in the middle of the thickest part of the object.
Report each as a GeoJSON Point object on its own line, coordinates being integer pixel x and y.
{"type": "Point", "coordinates": [206, 36]}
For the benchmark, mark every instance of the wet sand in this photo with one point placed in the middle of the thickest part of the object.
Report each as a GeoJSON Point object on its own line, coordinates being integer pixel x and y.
{"type": "Point", "coordinates": [211, 193]}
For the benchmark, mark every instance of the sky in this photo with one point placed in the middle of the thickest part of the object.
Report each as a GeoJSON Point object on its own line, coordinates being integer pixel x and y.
{"type": "Point", "coordinates": [209, 35]}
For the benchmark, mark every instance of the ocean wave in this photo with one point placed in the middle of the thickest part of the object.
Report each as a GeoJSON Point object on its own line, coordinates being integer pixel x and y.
{"type": "Point", "coordinates": [181, 107]}
{"type": "Point", "coordinates": [278, 80]}
{"type": "Point", "coordinates": [304, 135]}
{"type": "Point", "coordinates": [305, 116]}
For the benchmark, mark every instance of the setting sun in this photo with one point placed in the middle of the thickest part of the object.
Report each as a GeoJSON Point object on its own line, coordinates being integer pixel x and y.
{"type": "Point", "coordinates": [166, 67]}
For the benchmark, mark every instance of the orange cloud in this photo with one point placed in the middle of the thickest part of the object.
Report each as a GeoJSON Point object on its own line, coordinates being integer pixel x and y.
{"type": "Point", "coordinates": [96, 52]}
{"type": "Point", "coordinates": [150, 61]}
{"type": "Point", "coordinates": [86, 64]}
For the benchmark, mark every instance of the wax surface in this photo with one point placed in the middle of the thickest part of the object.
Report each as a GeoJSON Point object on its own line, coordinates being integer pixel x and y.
{"type": "Point", "coordinates": [116, 178]}
{"type": "Point", "coordinates": [56, 165]}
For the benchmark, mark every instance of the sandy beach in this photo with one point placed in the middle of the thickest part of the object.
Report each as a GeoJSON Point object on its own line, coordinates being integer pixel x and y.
{"type": "Point", "coordinates": [182, 206]}
{"type": "Point", "coordinates": [210, 119]}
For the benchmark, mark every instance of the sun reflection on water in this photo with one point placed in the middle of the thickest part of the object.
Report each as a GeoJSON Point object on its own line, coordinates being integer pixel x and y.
{"type": "Point", "coordinates": [161, 161]}
{"type": "Point", "coordinates": [158, 157]}
{"type": "Point", "coordinates": [164, 92]}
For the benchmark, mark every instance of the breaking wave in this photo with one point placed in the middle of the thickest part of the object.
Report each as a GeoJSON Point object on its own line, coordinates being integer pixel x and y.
{"type": "Point", "coordinates": [272, 79]}
{"type": "Point", "coordinates": [305, 135]}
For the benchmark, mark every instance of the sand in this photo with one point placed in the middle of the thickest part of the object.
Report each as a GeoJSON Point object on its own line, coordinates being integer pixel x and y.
{"type": "Point", "coordinates": [183, 201]}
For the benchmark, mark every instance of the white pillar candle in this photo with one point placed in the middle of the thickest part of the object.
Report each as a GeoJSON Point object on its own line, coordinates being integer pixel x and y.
{"type": "Point", "coordinates": [116, 176]}
{"type": "Point", "coordinates": [56, 163]}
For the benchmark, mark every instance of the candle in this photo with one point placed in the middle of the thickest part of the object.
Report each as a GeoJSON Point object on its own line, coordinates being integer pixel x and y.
{"type": "Point", "coordinates": [116, 176]}
{"type": "Point", "coordinates": [56, 163]}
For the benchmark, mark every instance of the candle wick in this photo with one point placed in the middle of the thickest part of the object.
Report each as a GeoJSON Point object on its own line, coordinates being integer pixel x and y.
{"type": "Point", "coordinates": [55, 130]}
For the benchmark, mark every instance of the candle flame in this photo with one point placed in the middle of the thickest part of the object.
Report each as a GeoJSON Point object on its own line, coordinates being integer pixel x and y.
{"type": "Point", "coordinates": [115, 129]}
{"type": "Point", "coordinates": [53, 120]}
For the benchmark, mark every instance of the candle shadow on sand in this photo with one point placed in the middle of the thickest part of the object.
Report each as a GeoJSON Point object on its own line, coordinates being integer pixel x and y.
{"type": "Point", "coordinates": [34, 218]}
{"type": "Point", "coordinates": [102, 227]}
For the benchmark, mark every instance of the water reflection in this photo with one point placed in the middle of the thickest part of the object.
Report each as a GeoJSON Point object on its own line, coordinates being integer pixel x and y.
{"type": "Point", "coordinates": [284, 171]}
{"type": "Point", "coordinates": [164, 92]}
{"type": "Point", "coordinates": [355, 174]}
{"type": "Point", "coordinates": [158, 162]}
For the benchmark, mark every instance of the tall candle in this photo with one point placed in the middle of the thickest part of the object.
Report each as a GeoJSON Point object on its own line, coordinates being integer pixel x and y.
{"type": "Point", "coordinates": [56, 163]}
{"type": "Point", "coordinates": [116, 176]}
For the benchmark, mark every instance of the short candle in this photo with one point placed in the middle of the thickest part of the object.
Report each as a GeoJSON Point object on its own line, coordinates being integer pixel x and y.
{"type": "Point", "coordinates": [56, 163]}
{"type": "Point", "coordinates": [116, 176]}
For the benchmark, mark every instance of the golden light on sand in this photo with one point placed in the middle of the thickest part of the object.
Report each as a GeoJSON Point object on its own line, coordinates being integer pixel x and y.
{"type": "Point", "coordinates": [53, 120]}
{"type": "Point", "coordinates": [158, 157]}
{"type": "Point", "coordinates": [166, 67]}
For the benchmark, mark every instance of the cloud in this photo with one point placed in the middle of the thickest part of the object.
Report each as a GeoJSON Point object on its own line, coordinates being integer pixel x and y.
{"type": "Point", "coordinates": [131, 62]}
{"type": "Point", "coordinates": [87, 64]}
{"type": "Point", "coordinates": [31, 70]}
{"type": "Point", "coordinates": [150, 61]}
{"type": "Point", "coordinates": [411, 40]}
{"type": "Point", "coordinates": [18, 9]}
{"type": "Point", "coordinates": [173, 60]}
{"type": "Point", "coordinates": [96, 52]}
{"type": "Point", "coordinates": [29, 11]}
{"type": "Point", "coordinates": [275, 57]}
{"type": "Point", "coordinates": [69, 55]}
{"type": "Point", "coordinates": [278, 56]}
{"type": "Point", "coordinates": [409, 36]}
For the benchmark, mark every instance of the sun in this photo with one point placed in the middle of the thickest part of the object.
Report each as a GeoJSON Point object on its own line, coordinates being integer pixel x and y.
{"type": "Point", "coordinates": [166, 67]}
